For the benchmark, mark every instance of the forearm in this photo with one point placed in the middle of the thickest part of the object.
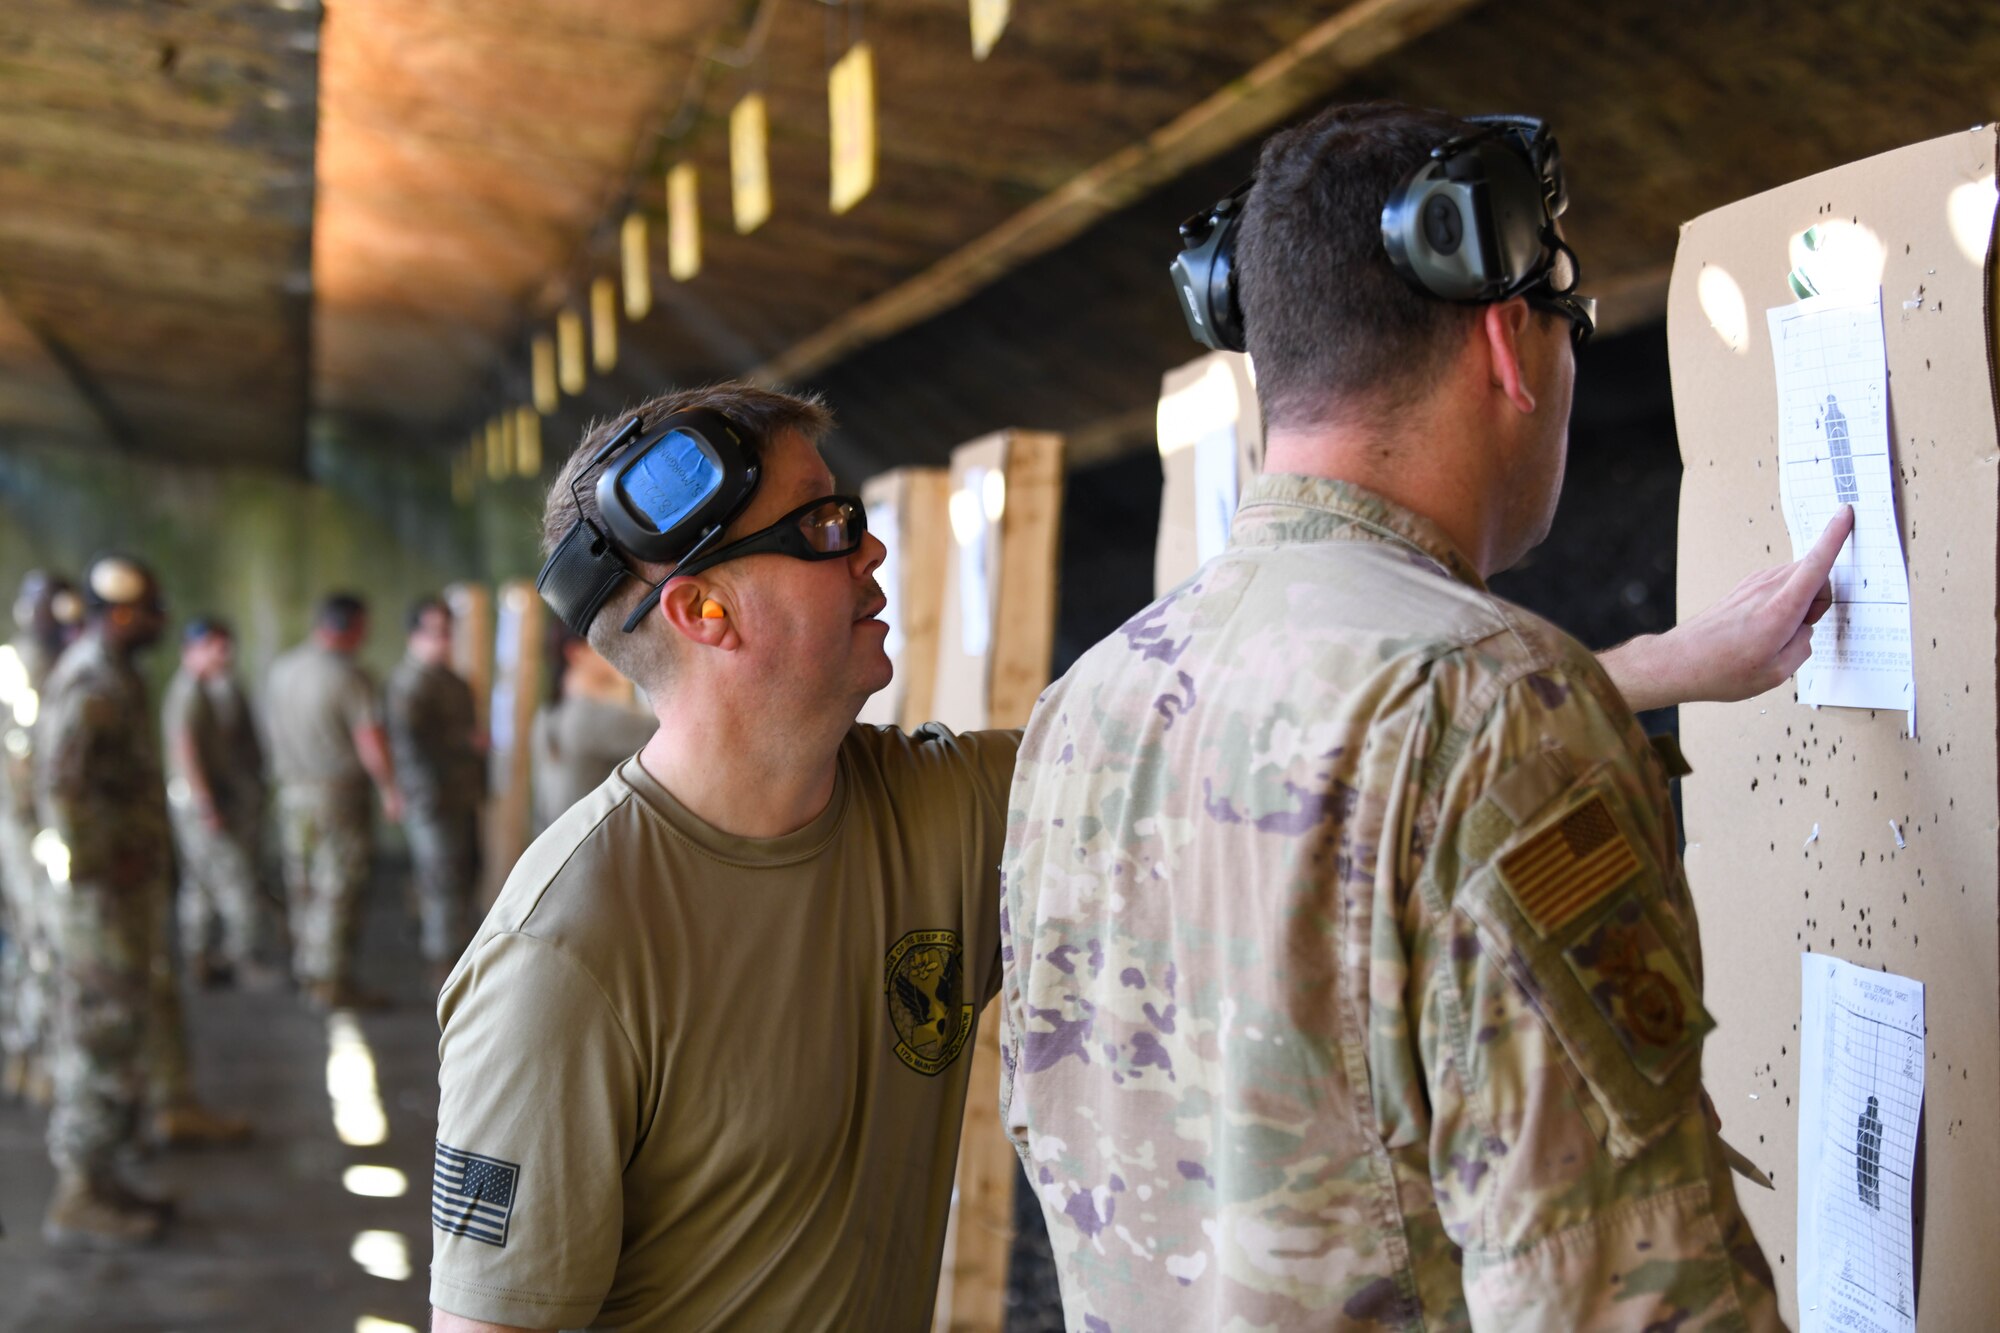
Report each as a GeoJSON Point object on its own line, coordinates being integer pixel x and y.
{"type": "Point", "coordinates": [1643, 673]}
{"type": "Point", "coordinates": [371, 743]}
{"type": "Point", "coordinates": [1749, 642]}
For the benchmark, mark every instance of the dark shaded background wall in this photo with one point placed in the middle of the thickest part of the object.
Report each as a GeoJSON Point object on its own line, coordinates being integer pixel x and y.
{"type": "Point", "coordinates": [1605, 574]}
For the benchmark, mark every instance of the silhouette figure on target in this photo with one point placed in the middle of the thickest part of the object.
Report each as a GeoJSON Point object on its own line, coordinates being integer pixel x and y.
{"type": "Point", "coordinates": [1868, 1156]}
{"type": "Point", "coordinates": [1838, 448]}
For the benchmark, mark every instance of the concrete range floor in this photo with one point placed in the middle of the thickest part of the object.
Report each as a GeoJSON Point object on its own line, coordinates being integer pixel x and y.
{"type": "Point", "coordinates": [294, 1233]}
{"type": "Point", "coordinates": [272, 1237]}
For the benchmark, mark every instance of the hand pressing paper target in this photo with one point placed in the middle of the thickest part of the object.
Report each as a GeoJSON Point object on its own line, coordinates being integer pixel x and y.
{"type": "Point", "coordinates": [1833, 449]}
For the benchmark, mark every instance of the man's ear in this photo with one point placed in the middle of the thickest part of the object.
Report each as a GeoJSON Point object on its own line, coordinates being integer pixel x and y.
{"type": "Point", "coordinates": [1505, 328]}
{"type": "Point", "coordinates": [681, 603]}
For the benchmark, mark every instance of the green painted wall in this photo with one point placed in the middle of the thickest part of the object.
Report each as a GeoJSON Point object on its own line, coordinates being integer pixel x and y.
{"type": "Point", "coordinates": [261, 548]}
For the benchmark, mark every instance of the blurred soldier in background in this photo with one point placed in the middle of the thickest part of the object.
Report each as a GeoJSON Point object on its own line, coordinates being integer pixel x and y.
{"type": "Point", "coordinates": [100, 796]}
{"type": "Point", "coordinates": [589, 726]}
{"type": "Point", "coordinates": [215, 795]}
{"type": "Point", "coordinates": [327, 744]}
{"type": "Point", "coordinates": [47, 615]}
{"type": "Point", "coordinates": [439, 753]}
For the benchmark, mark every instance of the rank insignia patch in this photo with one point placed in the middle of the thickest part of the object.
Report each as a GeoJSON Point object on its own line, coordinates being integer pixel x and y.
{"type": "Point", "coordinates": [924, 982]}
{"type": "Point", "coordinates": [1568, 868]}
{"type": "Point", "coordinates": [473, 1195]}
{"type": "Point", "coordinates": [1637, 984]}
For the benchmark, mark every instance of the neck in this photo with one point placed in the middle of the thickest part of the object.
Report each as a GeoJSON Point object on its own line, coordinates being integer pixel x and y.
{"type": "Point", "coordinates": [736, 765]}
{"type": "Point", "coordinates": [1421, 463]}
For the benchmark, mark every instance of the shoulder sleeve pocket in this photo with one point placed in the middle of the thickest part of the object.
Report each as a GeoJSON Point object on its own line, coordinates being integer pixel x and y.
{"type": "Point", "coordinates": [1571, 907]}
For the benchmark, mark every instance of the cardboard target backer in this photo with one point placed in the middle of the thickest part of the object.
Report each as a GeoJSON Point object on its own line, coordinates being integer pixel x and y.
{"type": "Point", "coordinates": [1834, 830]}
{"type": "Point", "coordinates": [998, 629]}
{"type": "Point", "coordinates": [1211, 437]}
{"type": "Point", "coordinates": [907, 513]}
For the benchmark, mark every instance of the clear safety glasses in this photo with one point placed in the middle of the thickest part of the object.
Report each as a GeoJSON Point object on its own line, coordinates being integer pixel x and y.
{"type": "Point", "coordinates": [823, 529]}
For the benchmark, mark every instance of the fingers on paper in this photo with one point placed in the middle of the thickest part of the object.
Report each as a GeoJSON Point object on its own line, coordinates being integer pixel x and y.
{"type": "Point", "coordinates": [1808, 581]}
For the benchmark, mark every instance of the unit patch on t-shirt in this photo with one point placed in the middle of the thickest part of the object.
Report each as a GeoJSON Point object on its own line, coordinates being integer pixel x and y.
{"type": "Point", "coordinates": [473, 1195]}
{"type": "Point", "coordinates": [924, 979]}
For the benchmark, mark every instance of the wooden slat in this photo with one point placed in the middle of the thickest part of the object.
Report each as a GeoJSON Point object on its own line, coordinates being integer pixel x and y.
{"type": "Point", "coordinates": [519, 635]}
{"type": "Point", "coordinates": [926, 536]}
{"type": "Point", "coordinates": [973, 1290]}
{"type": "Point", "coordinates": [913, 579]}
{"type": "Point", "coordinates": [1030, 542]}
{"type": "Point", "coordinates": [472, 642]}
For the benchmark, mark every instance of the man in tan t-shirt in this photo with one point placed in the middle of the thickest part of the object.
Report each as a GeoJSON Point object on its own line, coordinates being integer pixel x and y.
{"type": "Point", "coordinates": [703, 1065]}
{"type": "Point", "coordinates": [327, 745]}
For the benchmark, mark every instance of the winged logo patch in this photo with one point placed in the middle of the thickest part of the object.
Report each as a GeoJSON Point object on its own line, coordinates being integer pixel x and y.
{"type": "Point", "coordinates": [923, 980]}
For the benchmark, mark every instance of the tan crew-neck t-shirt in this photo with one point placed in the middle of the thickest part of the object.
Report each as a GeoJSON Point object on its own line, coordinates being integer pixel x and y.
{"type": "Point", "coordinates": [696, 1081]}
{"type": "Point", "coordinates": [317, 700]}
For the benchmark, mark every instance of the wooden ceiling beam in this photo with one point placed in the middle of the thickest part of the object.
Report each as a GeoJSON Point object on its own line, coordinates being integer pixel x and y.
{"type": "Point", "coordinates": [1287, 83]}
{"type": "Point", "coordinates": [117, 428]}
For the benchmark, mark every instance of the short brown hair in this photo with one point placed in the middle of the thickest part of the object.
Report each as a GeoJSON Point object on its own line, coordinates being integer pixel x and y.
{"type": "Point", "coordinates": [765, 414]}
{"type": "Point", "coordinates": [1332, 326]}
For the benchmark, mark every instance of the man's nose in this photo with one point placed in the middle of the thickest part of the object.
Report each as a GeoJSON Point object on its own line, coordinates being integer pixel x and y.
{"type": "Point", "coordinates": [871, 553]}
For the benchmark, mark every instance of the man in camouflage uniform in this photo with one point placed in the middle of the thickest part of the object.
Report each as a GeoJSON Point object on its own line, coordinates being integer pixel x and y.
{"type": "Point", "coordinates": [1352, 980]}
{"type": "Point", "coordinates": [101, 799]}
{"type": "Point", "coordinates": [433, 734]}
{"type": "Point", "coordinates": [327, 745]}
{"type": "Point", "coordinates": [47, 615]}
{"type": "Point", "coordinates": [215, 795]}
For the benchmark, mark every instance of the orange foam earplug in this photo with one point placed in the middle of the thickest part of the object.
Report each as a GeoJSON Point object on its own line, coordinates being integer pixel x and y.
{"type": "Point", "coordinates": [712, 610]}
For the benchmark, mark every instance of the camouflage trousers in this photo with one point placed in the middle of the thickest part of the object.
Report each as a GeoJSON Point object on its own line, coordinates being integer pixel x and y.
{"type": "Point", "coordinates": [444, 856]}
{"type": "Point", "coordinates": [327, 843]}
{"type": "Point", "coordinates": [118, 1040]}
{"type": "Point", "coordinates": [27, 960]}
{"type": "Point", "coordinates": [218, 884]}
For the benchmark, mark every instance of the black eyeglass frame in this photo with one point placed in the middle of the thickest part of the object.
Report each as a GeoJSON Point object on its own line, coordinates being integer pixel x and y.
{"type": "Point", "coordinates": [785, 537]}
{"type": "Point", "coordinates": [1580, 311]}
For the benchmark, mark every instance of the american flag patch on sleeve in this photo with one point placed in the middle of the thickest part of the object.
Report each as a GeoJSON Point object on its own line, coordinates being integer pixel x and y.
{"type": "Point", "coordinates": [472, 1195]}
{"type": "Point", "coordinates": [1569, 867]}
